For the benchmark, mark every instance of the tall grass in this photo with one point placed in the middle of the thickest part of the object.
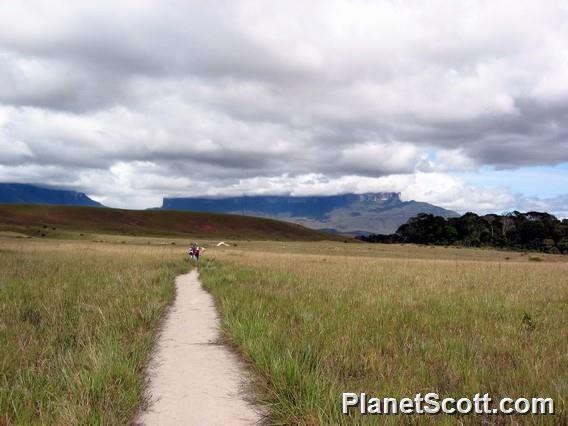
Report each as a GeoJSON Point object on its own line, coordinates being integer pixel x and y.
{"type": "Point", "coordinates": [313, 326]}
{"type": "Point", "coordinates": [77, 323]}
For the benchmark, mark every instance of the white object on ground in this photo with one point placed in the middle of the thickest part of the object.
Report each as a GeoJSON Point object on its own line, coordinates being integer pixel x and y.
{"type": "Point", "coordinates": [223, 244]}
{"type": "Point", "coordinates": [194, 380]}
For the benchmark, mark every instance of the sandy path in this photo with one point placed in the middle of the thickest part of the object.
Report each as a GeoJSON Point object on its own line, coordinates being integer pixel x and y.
{"type": "Point", "coordinates": [192, 381]}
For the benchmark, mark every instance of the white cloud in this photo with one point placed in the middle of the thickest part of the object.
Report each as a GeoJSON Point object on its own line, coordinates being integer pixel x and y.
{"type": "Point", "coordinates": [377, 158]}
{"type": "Point", "coordinates": [556, 205]}
{"type": "Point", "coordinates": [127, 99]}
{"type": "Point", "coordinates": [436, 188]}
{"type": "Point", "coordinates": [451, 192]}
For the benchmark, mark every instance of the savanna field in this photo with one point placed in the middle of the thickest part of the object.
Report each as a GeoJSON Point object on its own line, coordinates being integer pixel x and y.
{"type": "Point", "coordinates": [315, 320]}
{"type": "Point", "coordinates": [77, 323]}
{"type": "Point", "coordinates": [312, 320]}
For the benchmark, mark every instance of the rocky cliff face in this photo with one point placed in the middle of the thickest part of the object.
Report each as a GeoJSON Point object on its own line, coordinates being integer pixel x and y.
{"type": "Point", "coordinates": [381, 212]}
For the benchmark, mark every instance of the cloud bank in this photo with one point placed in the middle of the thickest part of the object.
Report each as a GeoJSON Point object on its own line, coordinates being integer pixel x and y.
{"type": "Point", "coordinates": [137, 99]}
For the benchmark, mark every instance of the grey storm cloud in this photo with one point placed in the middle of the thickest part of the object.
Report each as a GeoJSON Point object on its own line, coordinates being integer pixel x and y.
{"type": "Point", "coordinates": [223, 91]}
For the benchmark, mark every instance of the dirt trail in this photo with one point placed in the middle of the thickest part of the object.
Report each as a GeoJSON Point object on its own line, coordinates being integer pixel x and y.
{"type": "Point", "coordinates": [192, 380]}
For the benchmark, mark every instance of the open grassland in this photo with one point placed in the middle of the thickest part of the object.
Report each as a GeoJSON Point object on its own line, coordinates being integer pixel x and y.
{"type": "Point", "coordinates": [56, 222]}
{"type": "Point", "coordinates": [315, 320]}
{"type": "Point", "coordinates": [354, 248]}
{"type": "Point", "coordinates": [77, 322]}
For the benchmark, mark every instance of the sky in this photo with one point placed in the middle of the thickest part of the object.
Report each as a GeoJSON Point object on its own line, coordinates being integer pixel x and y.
{"type": "Point", "coordinates": [460, 103]}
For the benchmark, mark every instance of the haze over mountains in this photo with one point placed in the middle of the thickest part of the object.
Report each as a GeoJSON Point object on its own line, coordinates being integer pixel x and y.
{"type": "Point", "coordinates": [356, 214]}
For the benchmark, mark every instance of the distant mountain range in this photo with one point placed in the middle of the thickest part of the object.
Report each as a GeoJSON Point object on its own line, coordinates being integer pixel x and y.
{"type": "Point", "coordinates": [18, 193]}
{"type": "Point", "coordinates": [355, 214]}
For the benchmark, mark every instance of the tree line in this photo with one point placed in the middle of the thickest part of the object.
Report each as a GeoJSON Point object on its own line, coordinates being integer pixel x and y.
{"type": "Point", "coordinates": [522, 231]}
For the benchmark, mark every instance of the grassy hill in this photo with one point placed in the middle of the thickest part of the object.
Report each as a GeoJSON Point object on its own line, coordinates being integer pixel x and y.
{"type": "Point", "coordinates": [34, 219]}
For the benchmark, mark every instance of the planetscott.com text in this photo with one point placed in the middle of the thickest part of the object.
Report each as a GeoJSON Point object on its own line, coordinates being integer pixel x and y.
{"type": "Point", "coordinates": [432, 403]}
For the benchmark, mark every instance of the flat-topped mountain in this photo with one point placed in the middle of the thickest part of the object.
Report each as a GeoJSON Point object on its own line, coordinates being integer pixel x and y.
{"type": "Point", "coordinates": [380, 213]}
{"type": "Point", "coordinates": [19, 193]}
{"type": "Point", "coordinates": [355, 214]}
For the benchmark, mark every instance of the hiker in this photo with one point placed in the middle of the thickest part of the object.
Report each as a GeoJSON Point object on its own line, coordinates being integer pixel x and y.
{"type": "Point", "coordinates": [192, 250]}
{"type": "Point", "coordinates": [196, 253]}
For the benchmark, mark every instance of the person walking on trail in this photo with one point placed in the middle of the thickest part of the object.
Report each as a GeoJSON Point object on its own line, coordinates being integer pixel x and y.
{"type": "Point", "coordinates": [194, 251]}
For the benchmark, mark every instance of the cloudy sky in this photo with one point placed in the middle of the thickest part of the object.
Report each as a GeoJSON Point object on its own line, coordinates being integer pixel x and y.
{"type": "Point", "coordinates": [460, 103]}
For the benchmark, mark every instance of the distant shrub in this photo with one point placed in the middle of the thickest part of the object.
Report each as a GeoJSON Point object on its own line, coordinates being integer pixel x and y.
{"type": "Point", "coordinates": [547, 244]}
{"type": "Point", "coordinates": [528, 322]}
{"type": "Point", "coordinates": [563, 245]}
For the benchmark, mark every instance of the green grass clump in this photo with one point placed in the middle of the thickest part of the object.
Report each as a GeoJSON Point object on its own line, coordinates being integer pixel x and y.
{"type": "Point", "coordinates": [313, 326]}
{"type": "Point", "coordinates": [77, 323]}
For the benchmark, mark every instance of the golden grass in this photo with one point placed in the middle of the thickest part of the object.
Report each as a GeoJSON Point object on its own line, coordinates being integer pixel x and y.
{"type": "Point", "coordinates": [393, 321]}
{"type": "Point", "coordinates": [77, 322]}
